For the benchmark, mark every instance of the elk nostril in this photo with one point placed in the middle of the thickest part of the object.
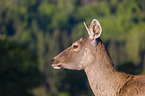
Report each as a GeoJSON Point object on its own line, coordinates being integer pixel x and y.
{"type": "Point", "coordinates": [51, 62]}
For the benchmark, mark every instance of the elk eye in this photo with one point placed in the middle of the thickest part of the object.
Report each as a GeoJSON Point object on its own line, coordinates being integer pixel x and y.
{"type": "Point", "coordinates": [75, 46]}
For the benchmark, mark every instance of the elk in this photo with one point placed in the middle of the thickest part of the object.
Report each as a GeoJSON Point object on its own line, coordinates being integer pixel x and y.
{"type": "Point", "coordinates": [90, 54]}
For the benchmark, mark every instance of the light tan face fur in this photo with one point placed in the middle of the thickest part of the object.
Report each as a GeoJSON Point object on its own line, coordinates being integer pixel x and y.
{"type": "Point", "coordinates": [80, 54]}
{"type": "Point", "coordinates": [77, 56]}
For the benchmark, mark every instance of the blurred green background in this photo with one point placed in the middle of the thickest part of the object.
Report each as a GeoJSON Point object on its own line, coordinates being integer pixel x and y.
{"type": "Point", "coordinates": [32, 32]}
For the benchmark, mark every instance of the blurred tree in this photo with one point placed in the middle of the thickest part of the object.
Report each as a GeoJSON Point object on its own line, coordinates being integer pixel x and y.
{"type": "Point", "coordinates": [49, 26]}
{"type": "Point", "coordinates": [18, 70]}
{"type": "Point", "coordinates": [129, 68]}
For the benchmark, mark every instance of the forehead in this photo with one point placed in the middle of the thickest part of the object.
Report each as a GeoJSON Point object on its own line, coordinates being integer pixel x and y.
{"type": "Point", "coordinates": [83, 39]}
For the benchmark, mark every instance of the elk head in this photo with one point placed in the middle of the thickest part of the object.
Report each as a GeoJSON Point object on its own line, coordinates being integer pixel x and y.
{"type": "Point", "coordinates": [80, 54]}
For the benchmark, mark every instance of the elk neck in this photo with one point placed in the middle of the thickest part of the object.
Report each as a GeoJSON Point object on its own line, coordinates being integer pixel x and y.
{"type": "Point", "coordinates": [103, 78]}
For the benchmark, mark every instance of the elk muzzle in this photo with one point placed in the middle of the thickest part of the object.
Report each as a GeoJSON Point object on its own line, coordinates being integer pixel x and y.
{"type": "Point", "coordinates": [55, 65]}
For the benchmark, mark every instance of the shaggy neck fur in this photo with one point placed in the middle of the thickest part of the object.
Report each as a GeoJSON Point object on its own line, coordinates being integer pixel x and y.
{"type": "Point", "coordinates": [102, 76]}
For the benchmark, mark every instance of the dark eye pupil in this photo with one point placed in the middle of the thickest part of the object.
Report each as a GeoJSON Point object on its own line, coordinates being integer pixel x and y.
{"type": "Point", "coordinates": [75, 46]}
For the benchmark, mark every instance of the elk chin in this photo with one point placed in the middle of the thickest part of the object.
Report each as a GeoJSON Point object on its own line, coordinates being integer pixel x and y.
{"type": "Point", "coordinates": [71, 66]}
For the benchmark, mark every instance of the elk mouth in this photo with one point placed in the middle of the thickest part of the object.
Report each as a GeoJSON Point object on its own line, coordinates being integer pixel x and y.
{"type": "Point", "coordinates": [56, 66]}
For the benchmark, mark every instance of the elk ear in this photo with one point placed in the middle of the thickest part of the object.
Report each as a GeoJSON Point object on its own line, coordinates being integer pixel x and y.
{"type": "Point", "coordinates": [94, 30]}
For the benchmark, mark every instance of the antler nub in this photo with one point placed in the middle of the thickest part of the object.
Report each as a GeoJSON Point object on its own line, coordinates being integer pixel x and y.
{"type": "Point", "coordinates": [91, 34]}
{"type": "Point", "coordinates": [87, 28]}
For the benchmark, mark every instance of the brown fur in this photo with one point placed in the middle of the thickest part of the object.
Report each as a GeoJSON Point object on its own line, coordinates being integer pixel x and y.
{"type": "Point", "coordinates": [92, 57]}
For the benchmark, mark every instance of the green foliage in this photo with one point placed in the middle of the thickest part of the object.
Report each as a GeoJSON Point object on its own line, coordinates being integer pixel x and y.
{"type": "Point", "coordinates": [46, 9]}
{"type": "Point", "coordinates": [63, 94]}
{"type": "Point", "coordinates": [18, 69]}
{"type": "Point", "coordinates": [129, 68]}
{"type": "Point", "coordinates": [49, 26]}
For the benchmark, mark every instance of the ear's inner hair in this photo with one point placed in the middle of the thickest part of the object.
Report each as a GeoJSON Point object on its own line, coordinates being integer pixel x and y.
{"type": "Point", "coordinates": [96, 29]}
